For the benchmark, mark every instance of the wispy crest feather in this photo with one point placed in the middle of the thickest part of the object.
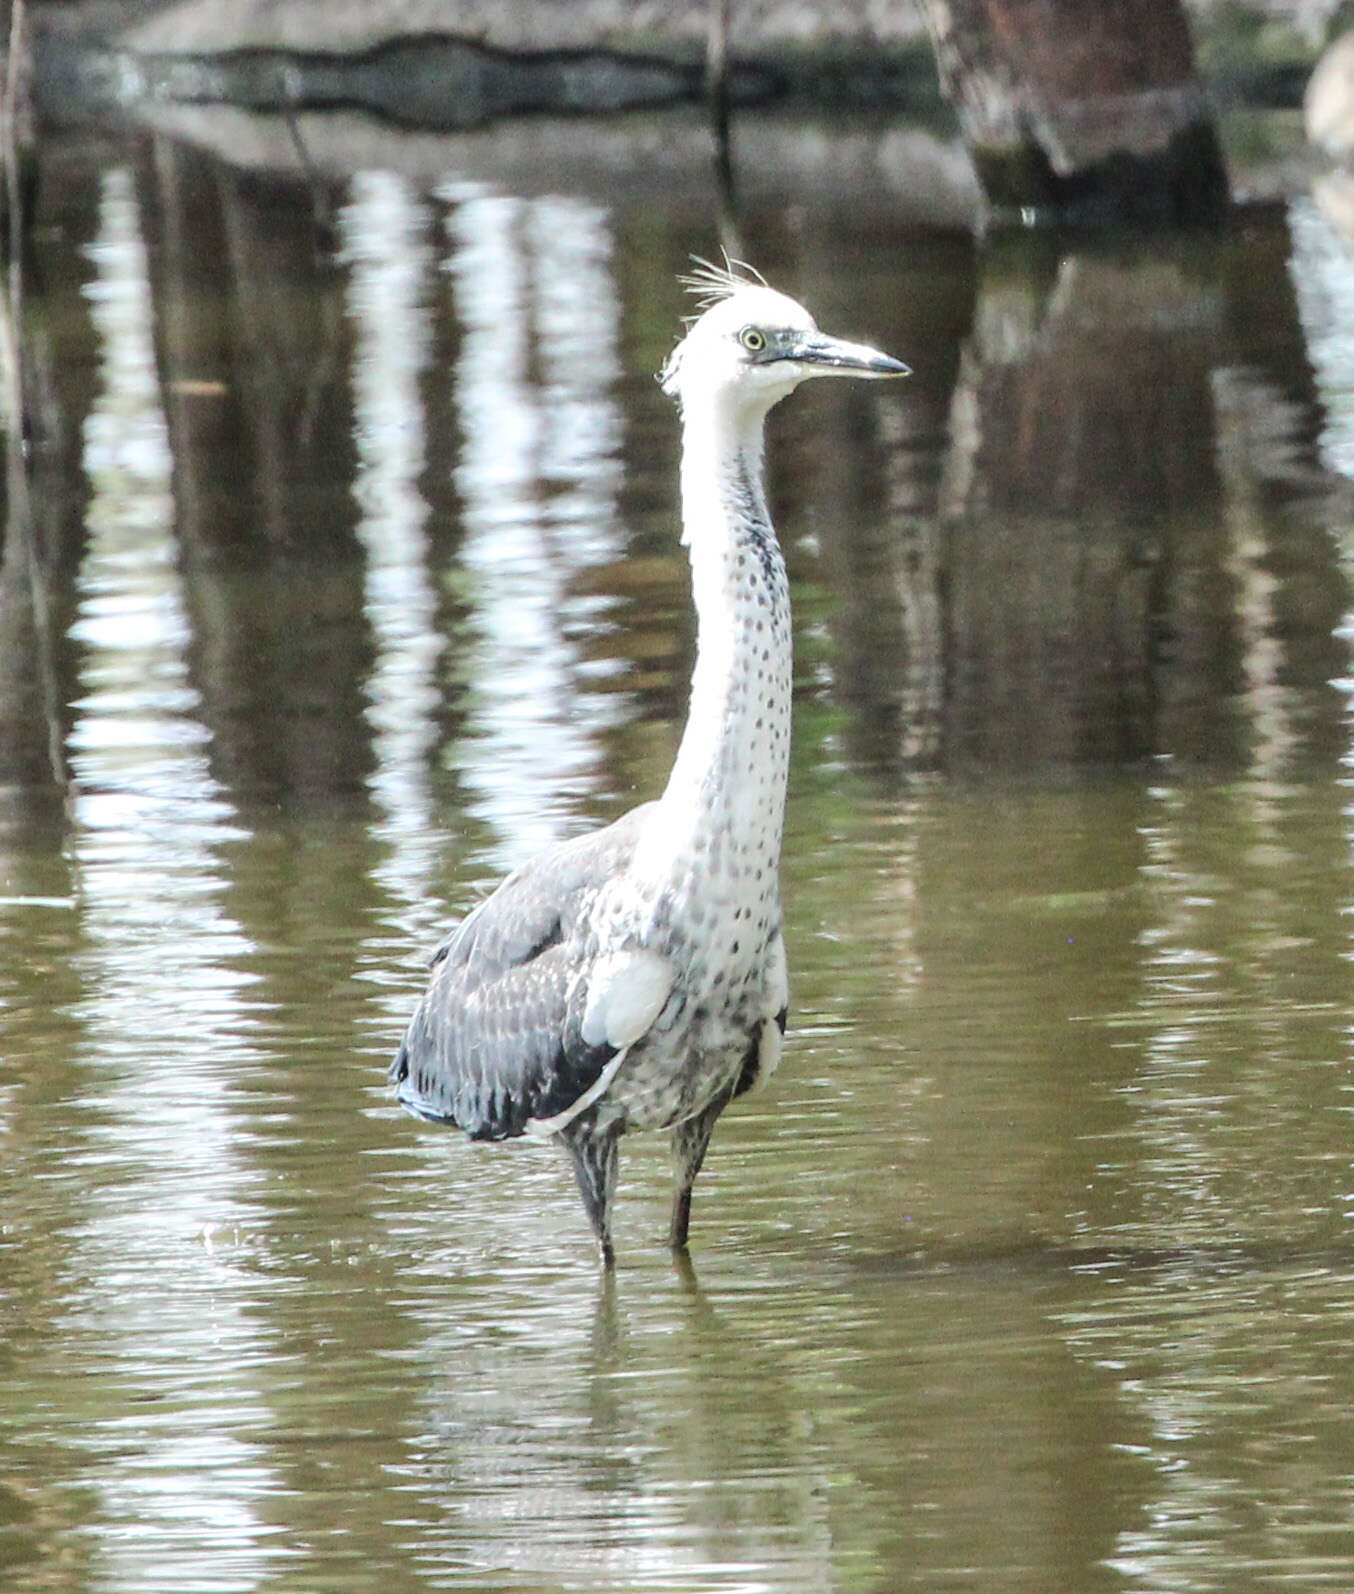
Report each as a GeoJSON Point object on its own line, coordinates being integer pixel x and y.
{"type": "Point", "coordinates": [711, 283]}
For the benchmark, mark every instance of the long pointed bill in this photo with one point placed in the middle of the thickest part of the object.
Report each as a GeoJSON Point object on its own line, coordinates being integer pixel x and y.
{"type": "Point", "coordinates": [824, 356]}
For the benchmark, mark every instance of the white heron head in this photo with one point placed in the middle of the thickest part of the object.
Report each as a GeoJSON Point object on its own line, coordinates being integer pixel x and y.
{"type": "Point", "coordinates": [751, 346]}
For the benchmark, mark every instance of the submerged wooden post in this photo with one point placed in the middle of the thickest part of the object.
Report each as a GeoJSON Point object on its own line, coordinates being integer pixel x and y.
{"type": "Point", "coordinates": [1080, 106]}
{"type": "Point", "coordinates": [717, 100]}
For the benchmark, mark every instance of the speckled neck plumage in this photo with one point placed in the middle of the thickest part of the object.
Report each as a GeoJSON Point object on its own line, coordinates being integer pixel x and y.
{"type": "Point", "coordinates": [728, 782]}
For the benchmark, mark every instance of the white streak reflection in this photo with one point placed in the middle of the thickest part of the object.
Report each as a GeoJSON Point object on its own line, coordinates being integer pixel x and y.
{"type": "Point", "coordinates": [538, 477]}
{"type": "Point", "coordinates": [391, 268]}
{"type": "Point", "coordinates": [163, 1007]}
{"type": "Point", "coordinates": [1322, 268]}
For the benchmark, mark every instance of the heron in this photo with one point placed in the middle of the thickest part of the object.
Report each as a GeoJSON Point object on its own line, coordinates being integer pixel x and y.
{"type": "Point", "coordinates": [635, 977]}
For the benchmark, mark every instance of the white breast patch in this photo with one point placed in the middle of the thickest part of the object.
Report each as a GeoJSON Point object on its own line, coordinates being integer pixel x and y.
{"type": "Point", "coordinates": [626, 993]}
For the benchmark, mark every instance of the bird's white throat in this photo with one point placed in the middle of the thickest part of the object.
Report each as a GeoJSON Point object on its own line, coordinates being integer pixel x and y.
{"type": "Point", "coordinates": [727, 785]}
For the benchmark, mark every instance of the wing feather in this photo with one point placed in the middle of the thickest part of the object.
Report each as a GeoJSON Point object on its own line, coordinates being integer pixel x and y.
{"type": "Point", "coordinates": [498, 1039]}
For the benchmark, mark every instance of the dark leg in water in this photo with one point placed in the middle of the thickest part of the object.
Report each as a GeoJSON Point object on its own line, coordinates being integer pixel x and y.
{"type": "Point", "coordinates": [689, 1142]}
{"type": "Point", "coordinates": [594, 1154]}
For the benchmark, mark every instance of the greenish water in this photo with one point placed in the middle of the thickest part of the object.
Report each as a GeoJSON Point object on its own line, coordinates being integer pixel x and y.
{"type": "Point", "coordinates": [1033, 1270]}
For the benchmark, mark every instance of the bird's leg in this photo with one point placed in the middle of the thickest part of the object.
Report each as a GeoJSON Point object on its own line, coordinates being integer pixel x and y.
{"type": "Point", "coordinates": [594, 1154]}
{"type": "Point", "coordinates": [690, 1139]}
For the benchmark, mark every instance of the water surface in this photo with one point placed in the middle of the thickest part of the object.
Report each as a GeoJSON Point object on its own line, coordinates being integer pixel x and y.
{"type": "Point", "coordinates": [356, 580]}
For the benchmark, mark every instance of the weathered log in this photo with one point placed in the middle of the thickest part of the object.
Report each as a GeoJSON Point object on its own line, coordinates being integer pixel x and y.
{"type": "Point", "coordinates": [1074, 105]}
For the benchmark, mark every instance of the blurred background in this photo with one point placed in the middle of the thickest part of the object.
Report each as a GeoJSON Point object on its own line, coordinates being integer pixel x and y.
{"type": "Point", "coordinates": [340, 572]}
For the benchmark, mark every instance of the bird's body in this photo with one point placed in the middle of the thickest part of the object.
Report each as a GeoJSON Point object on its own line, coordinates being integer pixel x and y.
{"type": "Point", "coordinates": [635, 978]}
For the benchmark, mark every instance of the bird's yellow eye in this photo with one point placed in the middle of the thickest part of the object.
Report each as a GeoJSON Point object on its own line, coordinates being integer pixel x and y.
{"type": "Point", "coordinates": [753, 339]}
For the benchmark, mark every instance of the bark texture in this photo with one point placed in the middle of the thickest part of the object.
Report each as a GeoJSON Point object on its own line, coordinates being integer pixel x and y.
{"type": "Point", "coordinates": [1074, 104]}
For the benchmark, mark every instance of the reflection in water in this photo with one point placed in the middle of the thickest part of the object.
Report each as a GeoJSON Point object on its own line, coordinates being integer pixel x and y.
{"type": "Point", "coordinates": [1323, 277]}
{"type": "Point", "coordinates": [1031, 1271]}
{"type": "Point", "coordinates": [1245, 411]}
{"type": "Point", "coordinates": [1239, 1044]}
{"type": "Point", "coordinates": [1184, 994]}
{"type": "Point", "coordinates": [641, 1462]}
{"type": "Point", "coordinates": [1239, 1037]}
{"type": "Point", "coordinates": [390, 279]}
{"type": "Point", "coordinates": [538, 477]}
{"type": "Point", "coordinates": [1079, 452]}
{"type": "Point", "coordinates": [164, 1003]}
{"type": "Point", "coordinates": [1323, 274]}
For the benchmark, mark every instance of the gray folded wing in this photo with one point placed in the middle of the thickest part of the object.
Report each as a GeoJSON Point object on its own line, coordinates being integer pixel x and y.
{"type": "Point", "coordinates": [497, 1039]}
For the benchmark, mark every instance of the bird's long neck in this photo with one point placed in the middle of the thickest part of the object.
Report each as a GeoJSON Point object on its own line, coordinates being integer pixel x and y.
{"type": "Point", "coordinates": [727, 788]}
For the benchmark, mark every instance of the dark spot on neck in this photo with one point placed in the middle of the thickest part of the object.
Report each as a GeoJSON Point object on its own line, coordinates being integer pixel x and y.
{"type": "Point", "coordinates": [746, 504]}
